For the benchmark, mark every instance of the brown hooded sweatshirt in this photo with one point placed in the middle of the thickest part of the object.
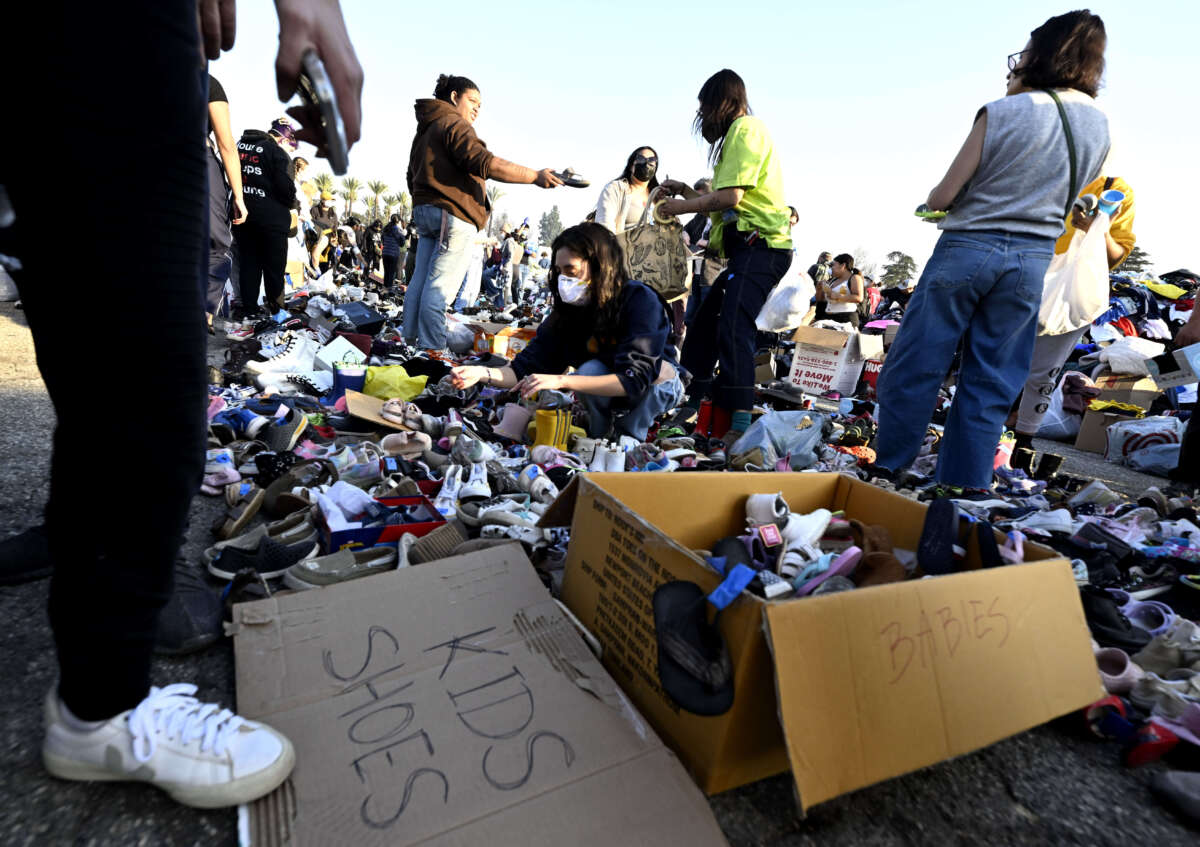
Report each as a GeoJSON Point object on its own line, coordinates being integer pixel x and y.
{"type": "Point", "coordinates": [449, 165]}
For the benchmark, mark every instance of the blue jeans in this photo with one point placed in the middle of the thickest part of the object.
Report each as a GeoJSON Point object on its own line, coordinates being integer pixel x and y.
{"type": "Point", "coordinates": [635, 421]}
{"type": "Point", "coordinates": [442, 260]}
{"type": "Point", "coordinates": [492, 285]}
{"type": "Point", "coordinates": [726, 316]}
{"type": "Point", "coordinates": [983, 289]}
{"type": "Point", "coordinates": [695, 301]}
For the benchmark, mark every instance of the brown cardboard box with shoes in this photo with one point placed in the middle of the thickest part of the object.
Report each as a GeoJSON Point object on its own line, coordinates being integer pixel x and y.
{"type": "Point", "coordinates": [847, 689]}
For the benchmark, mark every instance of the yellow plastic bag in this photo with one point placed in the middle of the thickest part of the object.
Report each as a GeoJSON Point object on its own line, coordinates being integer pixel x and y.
{"type": "Point", "coordinates": [389, 382]}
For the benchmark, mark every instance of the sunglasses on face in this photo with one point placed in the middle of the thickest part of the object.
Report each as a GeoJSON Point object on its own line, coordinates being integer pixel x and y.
{"type": "Point", "coordinates": [646, 160]}
{"type": "Point", "coordinates": [1014, 58]}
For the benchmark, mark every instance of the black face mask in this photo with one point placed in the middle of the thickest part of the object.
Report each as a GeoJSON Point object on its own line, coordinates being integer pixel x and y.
{"type": "Point", "coordinates": [644, 171]}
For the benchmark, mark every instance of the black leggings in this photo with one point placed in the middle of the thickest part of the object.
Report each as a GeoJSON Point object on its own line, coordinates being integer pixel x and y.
{"type": "Point", "coordinates": [723, 330]}
{"type": "Point", "coordinates": [114, 548]}
{"type": "Point", "coordinates": [391, 265]}
{"type": "Point", "coordinates": [263, 257]}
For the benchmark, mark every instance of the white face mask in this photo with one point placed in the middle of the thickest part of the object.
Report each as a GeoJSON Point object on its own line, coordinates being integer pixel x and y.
{"type": "Point", "coordinates": [574, 291]}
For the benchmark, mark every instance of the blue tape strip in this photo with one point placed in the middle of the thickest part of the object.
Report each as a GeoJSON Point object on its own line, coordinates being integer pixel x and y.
{"type": "Point", "coordinates": [734, 584]}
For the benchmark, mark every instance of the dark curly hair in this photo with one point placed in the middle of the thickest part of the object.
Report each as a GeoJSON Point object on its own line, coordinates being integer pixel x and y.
{"type": "Point", "coordinates": [1067, 51]}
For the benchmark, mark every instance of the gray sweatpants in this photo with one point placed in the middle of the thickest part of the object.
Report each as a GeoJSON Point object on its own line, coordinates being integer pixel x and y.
{"type": "Point", "coordinates": [1050, 352]}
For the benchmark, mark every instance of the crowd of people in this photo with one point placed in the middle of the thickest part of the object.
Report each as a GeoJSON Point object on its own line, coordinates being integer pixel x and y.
{"type": "Point", "coordinates": [634, 363]}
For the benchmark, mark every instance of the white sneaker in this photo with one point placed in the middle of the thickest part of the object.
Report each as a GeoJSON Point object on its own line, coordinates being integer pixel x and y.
{"type": "Point", "coordinates": [200, 754]}
{"type": "Point", "coordinates": [1095, 492]}
{"type": "Point", "coordinates": [476, 487]}
{"type": "Point", "coordinates": [447, 497]}
{"type": "Point", "coordinates": [763, 509]}
{"type": "Point", "coordinates": [297, 355]}
{"type": "Point", "coordinates": [599, 460]}
{"type": "Point", "coordinates": [801, 531]}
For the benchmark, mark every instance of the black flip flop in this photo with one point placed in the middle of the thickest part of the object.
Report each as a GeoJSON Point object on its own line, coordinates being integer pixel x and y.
{"type": "Point", "coordinates": [989, 551]}
{"type": "Point", "coordinates": [935, 552]}
{"type": "Point", "coordinates": [572, 179]}
{"type": "Point", "coordinates": [693, 662]}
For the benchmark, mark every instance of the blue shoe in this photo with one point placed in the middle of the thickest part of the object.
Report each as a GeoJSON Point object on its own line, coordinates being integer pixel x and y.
{"type": "Point", "coordinates": [244, 422]}
{"type": "Point", "coordinates": [346, 377]}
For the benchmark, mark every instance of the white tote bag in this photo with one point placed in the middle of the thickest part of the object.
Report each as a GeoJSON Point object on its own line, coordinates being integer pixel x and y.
{"type": "Point", "coordinates": [1075, 291]}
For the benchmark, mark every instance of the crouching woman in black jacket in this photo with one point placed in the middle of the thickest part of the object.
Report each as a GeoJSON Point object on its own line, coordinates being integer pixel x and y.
{"type": "Point", "coordinates": [613, 331]}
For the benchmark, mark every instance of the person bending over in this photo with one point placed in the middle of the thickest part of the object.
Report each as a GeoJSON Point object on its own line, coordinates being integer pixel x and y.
{"type": "Point", "coordinates": [612, 330]}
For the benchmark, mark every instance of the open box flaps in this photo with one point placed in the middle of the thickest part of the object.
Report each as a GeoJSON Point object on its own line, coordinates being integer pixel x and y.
{"type": "Point", "coordinates": [881, 681]}
{"type": "Point", "coordinates": [451, 703]}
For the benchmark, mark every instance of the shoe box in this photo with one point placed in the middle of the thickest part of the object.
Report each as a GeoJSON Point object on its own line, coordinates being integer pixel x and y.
{"type": "Point", "coordinates": [846, 689]}
{"type": "Point", "coordinates": [366, 320]}
{"type": "Point", "coordinates": [452, 703]}
{"type": "Point", "coordinates": [828, 360]}
{"type": "Point", "coordinates": [1134, 390]}
{"type": "Point", "coordinates": [1092, 435]}
{"type": "Point", "coordinates": [426, 519]}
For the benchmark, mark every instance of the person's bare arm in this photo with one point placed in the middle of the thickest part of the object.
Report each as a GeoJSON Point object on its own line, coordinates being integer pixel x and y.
{"type": "Point", "coordinates": [218, 113]}
{"type": "Point", "coordinates": [961, 169]}
{"type": "Point", "coordinates": [503, 170]}
{"type": "Point", "coordinates": [714, 201]}
{"type": "Point", "coordinates": [1189, 333]}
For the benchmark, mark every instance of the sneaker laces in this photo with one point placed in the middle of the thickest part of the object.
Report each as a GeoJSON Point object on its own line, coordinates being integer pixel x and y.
{"type": "Point", "coordinates": [174, 712]}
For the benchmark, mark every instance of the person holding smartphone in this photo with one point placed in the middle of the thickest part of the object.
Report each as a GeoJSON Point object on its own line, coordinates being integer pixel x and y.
{"type": "Point", "coordinates": [448, 170]}
{"type": "Point", "coordinates": [113, 558]}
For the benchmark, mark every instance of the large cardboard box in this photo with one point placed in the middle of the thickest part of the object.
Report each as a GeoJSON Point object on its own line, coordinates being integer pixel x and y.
{"type": "Point", "coordinates": [1092, 435]}
{"type": "Point", "coordinates": [828, 360]}
{"type": "Point", "coordinates": [871, 683]}
{"type": "Point", "coordinates": [451, 703]}
{"type": "Point", "coordinates": [1135, 390]}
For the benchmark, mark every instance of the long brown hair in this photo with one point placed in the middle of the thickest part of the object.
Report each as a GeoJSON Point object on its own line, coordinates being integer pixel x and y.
{"type": "Point", "coordinates": [605, 259]}
{"type": "Point", "coordinates": [1067, 51]}
{"type": "Point", "coordinates": [722, 101]}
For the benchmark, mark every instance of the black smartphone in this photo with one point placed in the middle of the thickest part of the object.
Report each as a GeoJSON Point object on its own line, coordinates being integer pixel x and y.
{"type": "Point", "coordinates": [317, 93]}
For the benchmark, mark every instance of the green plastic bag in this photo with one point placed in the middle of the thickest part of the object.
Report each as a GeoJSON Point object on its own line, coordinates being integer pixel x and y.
{"type": "Point", "coordinates": [392, 382]}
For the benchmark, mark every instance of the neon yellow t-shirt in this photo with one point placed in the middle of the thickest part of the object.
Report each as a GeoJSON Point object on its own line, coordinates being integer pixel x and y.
{"type": "Point", "coordinates": [748, 161]}
{"type": "Point", "coordinates": [1122, 225]}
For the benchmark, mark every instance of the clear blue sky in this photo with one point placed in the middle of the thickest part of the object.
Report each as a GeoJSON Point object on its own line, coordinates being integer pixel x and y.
{"type": "Point", "coordinates": [867, 101]}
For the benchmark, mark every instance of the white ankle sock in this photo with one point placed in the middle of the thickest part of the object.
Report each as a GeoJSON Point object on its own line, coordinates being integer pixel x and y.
{"type": "Point", "coordinates": [74, 723]}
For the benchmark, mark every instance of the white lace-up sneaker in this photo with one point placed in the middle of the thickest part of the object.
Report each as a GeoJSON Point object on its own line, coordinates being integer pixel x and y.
{"type": "Point", "coordinates": [200, 754]}
{"type": "Point", "coordinates": [296, 356]}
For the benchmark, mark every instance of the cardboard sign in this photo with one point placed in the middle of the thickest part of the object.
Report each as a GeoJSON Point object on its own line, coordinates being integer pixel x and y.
{"type": "Point", "coordinates": [828, 360]}
{"type": "Point", "coordinates": [899, 676]}
{"type": "Point", "coordinates": [366, 407]}
{"type": "Point", "coordinates": [451, 703]}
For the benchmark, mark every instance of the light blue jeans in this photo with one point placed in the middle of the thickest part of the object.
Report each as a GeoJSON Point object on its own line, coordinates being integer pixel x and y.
{"type": "Point", "coordinates": [635, 421]}
{"type": "Point", "coordinates": [982, 288]}
{"type": "Point", "coordinates": [442, 259]}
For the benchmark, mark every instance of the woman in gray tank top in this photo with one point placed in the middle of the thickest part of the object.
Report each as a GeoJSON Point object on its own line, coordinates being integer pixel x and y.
{"type": "Point", "coordinates": [1006, 194]}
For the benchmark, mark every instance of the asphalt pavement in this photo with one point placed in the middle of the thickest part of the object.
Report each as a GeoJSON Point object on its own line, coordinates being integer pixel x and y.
{"type": "Point", "coordinates": [1051, 785]}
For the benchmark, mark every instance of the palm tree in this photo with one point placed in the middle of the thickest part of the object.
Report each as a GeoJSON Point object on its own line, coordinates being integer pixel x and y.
{"type": "Point", "coordinates": [389, 203]}
{"type": "Point", "coordinates": [323, 182]}
{"type": "Point", "coordinates": [494, 193]}
{"type": "Point", "coordinates": [378, 188]}
{"type": "Point", "coordinates": [404, 201]}
{"type": "Point", "coordinates": [350, 189]}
